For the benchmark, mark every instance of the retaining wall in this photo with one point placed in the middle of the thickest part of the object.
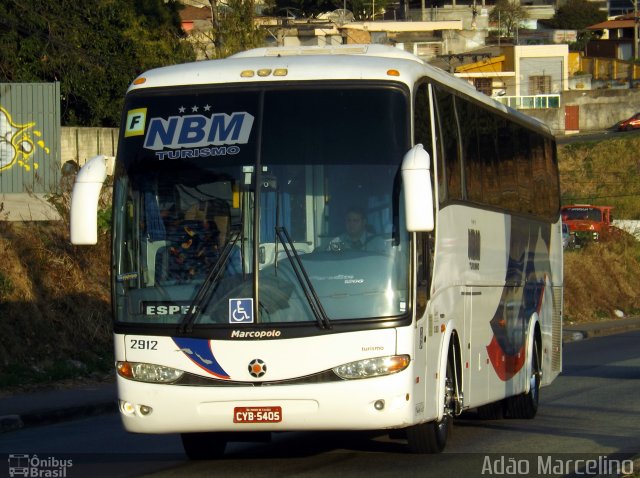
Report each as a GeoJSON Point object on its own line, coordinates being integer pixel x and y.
{"type": "Point", "coordinates": [599, 109]}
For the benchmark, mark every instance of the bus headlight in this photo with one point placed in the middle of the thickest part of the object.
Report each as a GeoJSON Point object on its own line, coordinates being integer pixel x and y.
{"type": "Point", "coordinates": [148, 372]}
{"type": "Point", "coordinates": [373, 367]}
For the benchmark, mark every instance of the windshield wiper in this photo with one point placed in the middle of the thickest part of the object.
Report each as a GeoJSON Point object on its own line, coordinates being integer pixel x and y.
{"type": "Point", "coordinates": [186, 325]}
{"type": "Point", "coordinates": [303, 278]}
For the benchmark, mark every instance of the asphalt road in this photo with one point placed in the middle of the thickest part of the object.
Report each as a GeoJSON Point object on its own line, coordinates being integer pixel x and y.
{"type": "Point", "coordinates": [590, 412]}
{"type": "Point", "coordinates": [595, 136]}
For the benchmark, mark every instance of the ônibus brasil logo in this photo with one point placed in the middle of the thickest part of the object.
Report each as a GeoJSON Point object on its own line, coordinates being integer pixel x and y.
{"type": "Point", "coordinates": [28, 465]}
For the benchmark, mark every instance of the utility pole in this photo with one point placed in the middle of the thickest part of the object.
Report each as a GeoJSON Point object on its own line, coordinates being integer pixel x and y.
{"type": "Point", "coordinates": [635, 30]}
{"type": "Point", "coordinates": [215, 23]}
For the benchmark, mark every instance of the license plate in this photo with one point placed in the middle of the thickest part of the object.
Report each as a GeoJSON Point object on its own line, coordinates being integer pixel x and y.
{"type": "Point", "coordinates": [257, 414]}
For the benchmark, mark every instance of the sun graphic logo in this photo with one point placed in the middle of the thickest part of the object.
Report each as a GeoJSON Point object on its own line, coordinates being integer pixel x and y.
{"type": "Point", "coordinates": [18, 143]}
{"type": "Point", "coordinates": [257, 368]}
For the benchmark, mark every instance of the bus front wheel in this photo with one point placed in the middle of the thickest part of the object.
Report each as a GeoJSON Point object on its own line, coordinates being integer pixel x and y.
{"type": "Point", "coordinates": [431, 437]}
{"type": "Point", "coordinates": [203, 446]}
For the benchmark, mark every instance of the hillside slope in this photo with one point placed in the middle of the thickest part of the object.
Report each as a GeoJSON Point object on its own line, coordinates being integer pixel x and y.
{"type": "Point", "coordinates": [605, 172]}
{"type": "Point", "coordinates": [54, 305]}
{"type": "Point", "coordinates": [606, 276]}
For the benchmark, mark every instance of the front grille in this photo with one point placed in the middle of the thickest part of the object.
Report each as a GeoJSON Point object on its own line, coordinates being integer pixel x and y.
{"type": "Point", "coordinates": [199, 381]}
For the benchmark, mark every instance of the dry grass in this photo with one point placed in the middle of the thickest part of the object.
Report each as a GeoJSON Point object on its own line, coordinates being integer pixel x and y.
{"type": "Point", "coordinates": [605, 276]}
{"type": "Point", "coordinates": [600, 279]}
{"type": "Point", "coordinates": [54, 304]}
{"type": "Point", "coordinates": [604, 173]}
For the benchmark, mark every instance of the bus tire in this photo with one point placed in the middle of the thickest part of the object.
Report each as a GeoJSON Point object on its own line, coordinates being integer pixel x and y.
{"type": "Point", "coordinates": [525, 405]}
{"type": "Point", "coordinates": [203, 446]}
{"type": "Point", "coordinates": [431, 437]}
{"type": "Point", "coordinates": [491, 411]}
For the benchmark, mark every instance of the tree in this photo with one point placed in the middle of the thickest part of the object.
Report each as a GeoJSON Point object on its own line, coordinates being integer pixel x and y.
{"type": "Point", "coordinates": [233, 27]}
{"type": "Point", "coordinates": [508, 14]}
{"type": "Point", "coordinates": [577, 15]}
{"type": "Point", "coordinates": [94, 48]}
{"type": "Point", "coordinates": [364, 9]}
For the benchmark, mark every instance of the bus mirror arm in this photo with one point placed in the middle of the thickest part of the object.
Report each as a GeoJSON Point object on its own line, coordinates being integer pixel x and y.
{"type": "Point", "coordinates": [418, 193]}
{"type": "Point", "coordinates": [84, 201]}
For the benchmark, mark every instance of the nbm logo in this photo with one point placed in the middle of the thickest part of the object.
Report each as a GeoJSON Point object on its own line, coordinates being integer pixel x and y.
{"type": "Point", "coordinates": [474, 245]}
{"type": "Point", "coordinates": [197, 131]}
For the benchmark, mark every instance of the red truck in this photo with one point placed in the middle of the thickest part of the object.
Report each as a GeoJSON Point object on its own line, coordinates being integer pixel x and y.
{"type": "Point", "coordinates": [586, 221]}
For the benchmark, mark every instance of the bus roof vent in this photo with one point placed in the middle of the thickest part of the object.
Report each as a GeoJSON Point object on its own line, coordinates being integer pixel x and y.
{"type": "Point", "coordinates": [368, 50]}
{"type": "Point", "coordinates": [304, 51]}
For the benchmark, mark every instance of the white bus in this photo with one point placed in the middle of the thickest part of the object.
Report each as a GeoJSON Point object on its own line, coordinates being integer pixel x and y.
{"type": "Point", "coordinates": [241, 306]}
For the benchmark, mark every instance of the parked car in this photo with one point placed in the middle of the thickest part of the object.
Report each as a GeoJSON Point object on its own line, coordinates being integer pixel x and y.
{"type": "Point", "coordinates": [630, 123]}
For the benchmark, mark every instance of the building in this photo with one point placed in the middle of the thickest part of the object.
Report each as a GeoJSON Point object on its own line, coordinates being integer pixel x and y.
{"type": "Point", "coordinates": [425, 39]}
{"type": "Point", "coordinates": [529, 74]}
{"type": "Point", "coordinates": [615, 38]}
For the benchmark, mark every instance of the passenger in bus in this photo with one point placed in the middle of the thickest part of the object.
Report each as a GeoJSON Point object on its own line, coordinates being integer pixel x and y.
{"type": "Point", "coordinates": [357, 236]}
{"type": "Point", "coordinates": [194, 248]}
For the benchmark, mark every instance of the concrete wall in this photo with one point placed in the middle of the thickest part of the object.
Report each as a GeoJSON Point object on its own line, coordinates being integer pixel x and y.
{"type": "Point", "coordinates": [79, 144]}
{"type": "Point", "coordinates": [630, 226]}
{"type": "Point", "coordinates": [599, 109]}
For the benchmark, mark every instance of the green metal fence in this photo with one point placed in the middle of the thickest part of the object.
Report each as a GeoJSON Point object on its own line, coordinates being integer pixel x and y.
{"type": "Point", "coordinates": [29, 137]}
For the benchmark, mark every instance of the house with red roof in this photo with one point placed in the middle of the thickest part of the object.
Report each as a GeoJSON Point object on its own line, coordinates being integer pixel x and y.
{"type": "Point", "coordinates": [615, 38]}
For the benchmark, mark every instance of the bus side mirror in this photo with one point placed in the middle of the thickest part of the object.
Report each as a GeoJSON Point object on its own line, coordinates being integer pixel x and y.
{"type": "Point", "coordinates": [418, 194]}
{"type": "Point", "coordinates": [84, 201]}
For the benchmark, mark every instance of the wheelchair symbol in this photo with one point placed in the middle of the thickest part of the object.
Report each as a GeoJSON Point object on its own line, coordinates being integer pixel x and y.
{"type": "Point", "coordinates": [240, 311]}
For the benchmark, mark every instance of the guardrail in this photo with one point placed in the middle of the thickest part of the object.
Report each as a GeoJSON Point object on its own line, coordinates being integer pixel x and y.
{"type": "Point", "coordinates": [530, 102]}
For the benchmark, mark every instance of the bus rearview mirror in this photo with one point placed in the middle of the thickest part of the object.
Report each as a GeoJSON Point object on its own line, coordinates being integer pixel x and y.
{"type": "Point", "coordinates": [84, 201]}
{"type": "Point", "coordinates": [418, 194]}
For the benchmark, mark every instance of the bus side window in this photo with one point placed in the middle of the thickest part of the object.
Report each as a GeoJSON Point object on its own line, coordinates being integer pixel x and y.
{"type": "Point", "coordinates": [524, 151]}
{"type": "Point", "coordinates": [422, 118]}
{"type": "Point", "coordinates": [424, 266]}
{"type": "Point", "coordinates": [488, 151]}
{"type": "Point", "coordinates": [423, 135]}
{"type": "Point", "coordinates": [507, 166]}
{"type": "Point", "coordinates": [469, 118]}
{"type": "Point", "coordinates": [449, 151]}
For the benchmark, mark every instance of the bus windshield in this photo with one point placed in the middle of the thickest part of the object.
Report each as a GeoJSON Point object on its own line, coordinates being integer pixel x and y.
{"type": "Point", "coordinates": [263, 212]}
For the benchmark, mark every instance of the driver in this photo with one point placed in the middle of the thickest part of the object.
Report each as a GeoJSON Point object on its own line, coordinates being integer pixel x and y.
{"type": "Point", "coordinates": [357, 236]}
